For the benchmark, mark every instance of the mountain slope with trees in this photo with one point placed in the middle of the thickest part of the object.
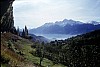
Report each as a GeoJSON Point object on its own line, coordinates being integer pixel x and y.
{"type": "Point", "coordinates": [17, 50]}
{"type": "Point", "coordinates": [80, 51]}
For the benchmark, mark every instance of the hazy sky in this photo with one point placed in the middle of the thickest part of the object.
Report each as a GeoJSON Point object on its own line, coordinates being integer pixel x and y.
{"type": "Point", "coordinates": [34, 13]}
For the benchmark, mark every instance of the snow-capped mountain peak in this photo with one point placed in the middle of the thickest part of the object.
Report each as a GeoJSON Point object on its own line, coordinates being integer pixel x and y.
{"type": "Point", "coordinates": [66, 21]}
{"type": "Point", "coordinates": [95, 22]}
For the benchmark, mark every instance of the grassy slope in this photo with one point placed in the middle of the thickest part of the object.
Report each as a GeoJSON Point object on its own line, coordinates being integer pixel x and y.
{"type": "Point", "coordinates": [11, 54]}
{"type": "Point", "coordinates": [18, 53]}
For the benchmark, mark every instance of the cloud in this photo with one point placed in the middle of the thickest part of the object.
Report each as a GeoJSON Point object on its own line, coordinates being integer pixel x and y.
{"type": "Point", "coordinates": [37, 12]}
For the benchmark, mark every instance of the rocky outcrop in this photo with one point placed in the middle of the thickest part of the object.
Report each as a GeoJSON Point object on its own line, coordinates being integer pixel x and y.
{"type": "Point", "coordinates": [6, 16]}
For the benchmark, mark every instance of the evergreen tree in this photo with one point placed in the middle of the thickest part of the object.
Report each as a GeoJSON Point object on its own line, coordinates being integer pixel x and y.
{"type": "Point", "coordinates": [13, 30]}
{"type": "Point", "coordinates": [18, 33]}
{"type": "Point", "coordinates": [26, 31]}
{"type": "Point", "coordinates": [23, 33]}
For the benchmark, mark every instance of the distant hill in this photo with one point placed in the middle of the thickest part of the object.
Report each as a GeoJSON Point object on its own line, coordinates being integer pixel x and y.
{"type": "Point", "coordinates": [66, 27]}
{"type": "Point", "coordinates": [39, 38]}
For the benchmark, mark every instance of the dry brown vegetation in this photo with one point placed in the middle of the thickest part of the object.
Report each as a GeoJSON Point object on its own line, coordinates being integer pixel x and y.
{"type": "Point", "coordinates": [9, 55]}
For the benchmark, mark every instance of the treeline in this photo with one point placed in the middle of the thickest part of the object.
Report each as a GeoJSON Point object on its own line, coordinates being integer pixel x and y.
{"type": "Point", "coordinates": [17, 31]}
{"type": "Point", "coordinates": [24, 33]}
{"type": "Point", "coordinates": [80, 51]}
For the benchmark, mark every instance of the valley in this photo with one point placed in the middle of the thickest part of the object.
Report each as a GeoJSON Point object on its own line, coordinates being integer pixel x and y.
{"type": "Point", "coordinates": [66, 43]}
{"type": "Point", "coordinates": [53, 37]}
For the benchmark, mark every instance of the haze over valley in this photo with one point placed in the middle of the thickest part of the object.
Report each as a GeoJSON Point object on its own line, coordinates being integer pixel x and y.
{"type": "Point", "coordinates": [64, 29]}
{"type": "Point", "coordinates": [50, 33]}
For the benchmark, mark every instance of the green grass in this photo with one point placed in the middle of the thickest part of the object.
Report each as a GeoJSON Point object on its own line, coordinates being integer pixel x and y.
{"type": "Point", "coordinates": [3, 65]}
{"type": "Point", "coordinates": [27, 49]}
{"type": "Point", "coordinates": [58, 65]}
{"type": "Point", "coordinates": [47, 62]}
{"type": "Point", "coordinates": [24, 46]}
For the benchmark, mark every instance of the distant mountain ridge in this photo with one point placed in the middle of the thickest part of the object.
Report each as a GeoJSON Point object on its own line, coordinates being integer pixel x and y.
{"type": "Point", "coordinates": [94, 22]}
{"type": "Point", "coordinates": [63, 23]}
{"type": "Point", "coordinates": [66, 27]}
{"type": "Point", "coordinates": [39, 38]}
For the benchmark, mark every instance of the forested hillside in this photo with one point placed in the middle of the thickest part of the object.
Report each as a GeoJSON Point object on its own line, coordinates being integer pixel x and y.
{"type": "Point", "coordinates": [80, 51]}
{"type": "Point", "coordinates": [20, 51]}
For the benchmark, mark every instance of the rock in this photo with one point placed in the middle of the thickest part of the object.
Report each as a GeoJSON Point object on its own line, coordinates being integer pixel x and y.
{"type": "Point", "coordinates": [6, 16]}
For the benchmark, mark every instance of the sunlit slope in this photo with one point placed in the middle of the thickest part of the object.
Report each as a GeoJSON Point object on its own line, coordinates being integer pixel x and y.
{"type": "Point", "coordinates": [16, 51]}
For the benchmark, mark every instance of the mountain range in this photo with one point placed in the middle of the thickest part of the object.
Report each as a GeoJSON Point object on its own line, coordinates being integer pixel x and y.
{"type": "Point", "coordinates": [66, 27]}
{"type": "Point", "coordinates": [17, 51]}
